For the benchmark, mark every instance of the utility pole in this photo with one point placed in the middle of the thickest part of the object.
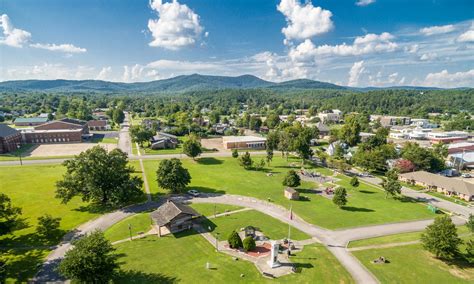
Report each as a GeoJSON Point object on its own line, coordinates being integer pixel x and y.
{"type": "Point", "coordinates": [130, 230]}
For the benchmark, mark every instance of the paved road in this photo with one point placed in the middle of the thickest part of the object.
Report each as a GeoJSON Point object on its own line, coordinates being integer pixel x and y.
{"type": "Point", "coordinates": [335, 241]}
{"type": "Point", "coordinates": [124, 142]}
{"type": "Point", "coordinates": [460, 210]}
{"type": "Point", "coordinates": [133, 157]}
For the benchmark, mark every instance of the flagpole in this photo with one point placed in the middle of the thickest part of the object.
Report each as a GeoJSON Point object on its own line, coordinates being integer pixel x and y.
{"type": "Point", "coordinates": [289, 226]}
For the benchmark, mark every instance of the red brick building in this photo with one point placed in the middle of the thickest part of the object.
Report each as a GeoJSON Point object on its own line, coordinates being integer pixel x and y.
{"type": "Point", "coordinates": [58, 131]}
{"type": "Point", "coordinates": [10, 138]}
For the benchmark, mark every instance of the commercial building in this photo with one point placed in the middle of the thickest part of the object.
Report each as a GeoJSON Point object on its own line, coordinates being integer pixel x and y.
{"type": "Point", "coordinates": [58, 131]}
{"type": "Point", "coordinates": [448, 137]}
{"type": "Point", "coordinates": [98, 125]}
{"type": "Point", "coordinates": [30, 121]}
{"type": "Point", "coordinates": [10, 138]}
{"type": "Point", "coordinates": [449, 186]}
{"type": "Point", "coordinates": [243, 142]}
{"type": "Point", "coordinates": [460, 147]}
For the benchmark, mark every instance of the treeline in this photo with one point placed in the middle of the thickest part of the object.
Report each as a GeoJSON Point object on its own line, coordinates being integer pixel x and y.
{"type": "Point", "coordinates": [392, 102]}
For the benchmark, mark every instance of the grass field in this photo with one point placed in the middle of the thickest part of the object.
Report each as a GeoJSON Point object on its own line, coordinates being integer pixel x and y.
{"type": "Point", "coordinates": [107, 140]}
{"type": "Point", "coordinates": [183, 257]}
{"type": "Point", "coordinates": [139, 223]}
{"type": "Point", "coordinates": [208, 209]}
{"type": "Point", "coordinates": [271, 227]}
{"type": "Point", "coordinates": [367, 204]}
{"type": "Point", "coordinates": [32, 187]}
{"type": "Point", "coordinates": [412, 264]}
{"type": "Point", "coordinates": [397, 238]}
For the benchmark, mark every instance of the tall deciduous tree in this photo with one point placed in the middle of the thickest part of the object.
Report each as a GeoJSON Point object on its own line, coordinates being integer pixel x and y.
{"type": "Point", "coordinates": [92, 260]}
{"type": "Point", "coordinates": [192, 147]}
{"type": "Point", "coordinates": [234, 240]}
{"type": "Point", "coordinates": [8, 214]}
{"type": "Point", "coordinates": [100, 177]}
{"type": "Point", "coordinates": [141, 134]}
{"type": "Point", "coordinates": [171, 175]}
{"type": "Point", "coordinates": [441, 238]}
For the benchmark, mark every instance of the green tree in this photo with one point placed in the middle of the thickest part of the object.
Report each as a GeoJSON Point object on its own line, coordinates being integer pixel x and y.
{"type": "Point", "coordinates": [100, 177]}
{"type": "Point", "coordinates": [140, 134]}
{"type": "Point", "coordinates": [292, 179]}
{"type": "Point", "coordinates": [340, 197]}
{"type": "Point", "coordinates": [470, 251]}
{"type": "Point", "coordinates": [8, 214]}
{"type": "Point", "coordinates": [246, 161]}
{"type": "Point", "coordinates": [391, 187]}
{"type": "Point", "coordinates": [48, 226]}
{"type": "Point", "coordinates": [118, 115]}
{"type": "Point", "coordinates": [441, 238]}
{"type": "Point", "coordinates": [255, 123]}
{"type": "Point", "coordinates": [234, 240]}
{"type": "Point", "coordinates": [92, 260]}
{"type": "Point", "coordinates": [303, 149]}
{"type": "Point", "coordinates": [171, 175]}
{"type": "Point", "coordinates": [272, 120]}
{"type": "Point", "coordinates": [192, 147]}
{"type": "Point", "coordinates": [235, 153]}
{"type": "Point", "coordinates": [249, 244]}
{"type": "Point", "coordinates": [350, 132]}
{"type": "Point", "coordinates": [470, 223]}
{"type": "Point", "coordinates": [354, 181]}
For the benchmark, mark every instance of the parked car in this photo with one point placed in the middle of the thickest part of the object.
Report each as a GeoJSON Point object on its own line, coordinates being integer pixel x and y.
{"type": "Point", "coordinates": [193, 192]}
{"type": "Point", "coordinates": [466, 175]}
{"type": "Point", "coordinates": [365, 175]}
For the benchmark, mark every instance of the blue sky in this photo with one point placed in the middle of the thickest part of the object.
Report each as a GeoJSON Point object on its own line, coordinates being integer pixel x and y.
{"type": "Point", "coordinates": [348, 42]}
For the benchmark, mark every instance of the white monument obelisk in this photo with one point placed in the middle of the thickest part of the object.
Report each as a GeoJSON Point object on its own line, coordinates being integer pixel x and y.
{"type": "Point", "coordinates": [273, 262]}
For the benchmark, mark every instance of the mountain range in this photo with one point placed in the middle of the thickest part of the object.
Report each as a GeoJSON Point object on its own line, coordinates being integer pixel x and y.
{"type": "Point", "coordinates": [179, 84]}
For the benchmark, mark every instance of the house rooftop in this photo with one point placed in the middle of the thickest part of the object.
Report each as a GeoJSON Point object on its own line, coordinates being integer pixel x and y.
{"type": "Point", "coordinates": [243, 139]}
{"type": "Point", "coordinates": [170, 210]}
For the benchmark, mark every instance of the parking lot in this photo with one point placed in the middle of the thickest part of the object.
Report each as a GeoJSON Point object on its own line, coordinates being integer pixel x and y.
{"type": "Point", "coordinates": [66, 149]}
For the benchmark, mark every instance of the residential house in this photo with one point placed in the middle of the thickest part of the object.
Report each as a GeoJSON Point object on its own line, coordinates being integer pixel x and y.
{"type": "Point", "coordinates": [164, 141]}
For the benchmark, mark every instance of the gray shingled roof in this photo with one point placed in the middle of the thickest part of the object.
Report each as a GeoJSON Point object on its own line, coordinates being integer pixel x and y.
{"type": "Point", "coordinates": [6, 130]}
{"type": "Point", "coordinates": [169, 210]}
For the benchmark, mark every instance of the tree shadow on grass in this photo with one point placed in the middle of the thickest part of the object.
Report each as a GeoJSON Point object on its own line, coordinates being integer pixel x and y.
{"type": "Point", "coordinates": [406, 199]}
{"type": "Point", "coordinates": [356, 209]}
{"type": "Point", "coordinates": [209, 161]}
{"type": "Point", "coordinates": [133, 276]}
{"type": "Point", "coordinates": [366, 191]}
{"type": "Point", "coordinates": [23, 264]}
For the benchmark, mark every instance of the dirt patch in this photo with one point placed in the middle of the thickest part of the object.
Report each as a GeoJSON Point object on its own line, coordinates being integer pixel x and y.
{"type": "Point", "coordinates": [69, 149]}
{"type": "Point", "coordinates": [213, 143]}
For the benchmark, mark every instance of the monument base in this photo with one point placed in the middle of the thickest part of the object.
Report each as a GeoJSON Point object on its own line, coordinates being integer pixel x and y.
{"type": "Point", "coordinates": [273, 264]}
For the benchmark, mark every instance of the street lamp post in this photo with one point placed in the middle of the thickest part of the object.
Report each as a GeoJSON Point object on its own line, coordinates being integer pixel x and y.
{"type": "Point", "coordinates": [130, 230]}
{"type": "Point", "coordinates": [18, 146]}
{"type": "Point", "coordinates": [217, 241]}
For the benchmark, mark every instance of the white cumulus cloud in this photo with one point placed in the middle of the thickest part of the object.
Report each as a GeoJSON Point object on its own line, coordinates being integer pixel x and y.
{"type": "Point", "coordinates": [364, 2]}
{"type": "Point", "coordinates": [368, 44]}
{"type": "Point", "coordinates": [104, 74]}
{"type": "Point", "coordinates": [467, 36]}
{"type": "Point", "coordinates": [177, 26]}
{"type": "Point", "coordinates": [354, 74]}
{"type": "Point", "coordinates": [304, 20]}
{"type": "Point", "coordinates": [444, 79]}
{"type": "Point", "coordinates": [428, 56]}
{"type": "Point", "coordinates": [12, 36]}
{"type": "Point", "coordinates": [434, 30]}
{"type": "Point", "coordinates": [68, 48]}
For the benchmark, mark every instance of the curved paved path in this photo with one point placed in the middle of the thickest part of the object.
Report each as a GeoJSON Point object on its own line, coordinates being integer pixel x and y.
{"type": "Point", "coordinates": [335, 241]}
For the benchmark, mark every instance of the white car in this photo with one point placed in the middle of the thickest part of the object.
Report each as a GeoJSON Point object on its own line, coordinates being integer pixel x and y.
{"type": "Point", "coordinates": [193, 192]}
{"type": "Point", "coordinates": [466, 175]}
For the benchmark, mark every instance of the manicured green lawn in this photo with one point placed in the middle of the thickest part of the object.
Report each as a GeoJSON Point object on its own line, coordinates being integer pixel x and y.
{"type": "Point", "coordinates": [412, 264]}
{"type": "Point", "coordinates": [105, 140]}
{"type": "Point", "coordinates": [183, 257]}
{"type": "Point", "coordinates": [119, 231]}
{"type": "Point", "coordinates": [397, 238]}
{"type": "Point", "coordinates": [207, 209]}
{"type": "Point", "coordinates": [32, 187]}
{"type": "Point", "coordinates": [271, 227]}
{"type": "Point", "coordinates": [366, 204]}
